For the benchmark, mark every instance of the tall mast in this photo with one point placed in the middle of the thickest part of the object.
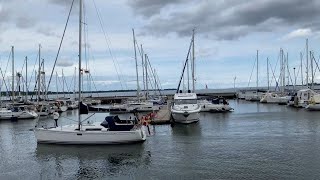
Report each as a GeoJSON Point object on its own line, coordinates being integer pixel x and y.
{"type": "Point", "coordinates": [80, 29]}
{"type": "Point", "coordinates": [301, 68]}
{"type": "Point", "coordinates": [146, 71]}
{"type": "Point", "coordinates": [26, 78]}
{"type": "Point", "coordinates": [193, 59]}
{"type": "Point", "coordinates": [307, 56]}
{"type": "Point", "coordinates": [39, 74]}
{"type": "Point", "coordinates": [188, 81]}
{"type": "Point", "coordinates": [281, 70]}
{"type": "Point", "coordinates": [57, 84]}
{"type": "Point", "coordinates": [183, 85]}
{"type": "Point", "coordinates": [155, 81]}
{"type": "Point", "coordinates": [43, 80]}
{"type": "Point", "coordinates": [257, 69]}
{"type": "Point", "coordinates": [63, 84]}
{"type": "Point", "coordinates": [13, 76]}
{"type": "Point", "coordinates": [268, 73]}
{"type": "Point", "coordinates": [135, 57]}
{"type": "Point", "coordinates": [142, 63]}
{"type": "Point", "coordinates": [288, 71]}
{"type": "Point", "coordinates": [311, 66]}
{"type": "Point", "coordinates": [75, 80]}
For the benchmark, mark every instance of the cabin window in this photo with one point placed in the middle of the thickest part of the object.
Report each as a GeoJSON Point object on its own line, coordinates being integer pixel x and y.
{"type": "Point", "coordinates": [185, 101]}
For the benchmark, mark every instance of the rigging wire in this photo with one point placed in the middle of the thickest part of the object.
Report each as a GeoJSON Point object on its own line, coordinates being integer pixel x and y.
{"type": "Point", "coordinates": [108, 45]}
{"type": "Point", "coordinates": [64, 31]}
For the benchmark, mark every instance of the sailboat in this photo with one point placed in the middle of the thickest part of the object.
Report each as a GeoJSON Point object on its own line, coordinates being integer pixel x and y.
{"type": "Point", "coordinates": [12, 110]}
{"type": "Point", "coordinates": [185, 108]}
{"type": "Point", "coordinates": [111, 131]}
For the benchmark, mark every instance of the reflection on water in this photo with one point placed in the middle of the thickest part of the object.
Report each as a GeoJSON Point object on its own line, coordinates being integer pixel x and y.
{"type": "Point", "coordinates": [92, 161]}
{"type": "Point", "coordinates": [256, 141]}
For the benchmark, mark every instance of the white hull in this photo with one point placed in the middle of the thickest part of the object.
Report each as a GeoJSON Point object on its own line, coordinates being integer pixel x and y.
{"type": "Point", "coordinates": [276, 99]}
{"type": "Point", "coordinates": [43, 113]}
{"type": "Point", "coordinates": [68, 135]}
{"type": "Point", "coordinates": [313, 107]}
{"type": "Point", "coordinates": [252, 98]}
{"type": "Point", "coordinates": [143, 107]}
{"type": "Point", "coordinates": [215, 108]}
{"type": "Point", "coordinates": [185, 117]}
{"type": "Point", "coordinates": [19, 115]}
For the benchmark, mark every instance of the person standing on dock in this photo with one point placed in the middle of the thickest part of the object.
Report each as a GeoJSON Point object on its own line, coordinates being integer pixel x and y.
{"type": "Point", "coordinates": [56, 117]}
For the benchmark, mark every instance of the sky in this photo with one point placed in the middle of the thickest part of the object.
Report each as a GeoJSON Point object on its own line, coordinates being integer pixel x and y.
{"type": "Point", "coordinates": [227, 37]}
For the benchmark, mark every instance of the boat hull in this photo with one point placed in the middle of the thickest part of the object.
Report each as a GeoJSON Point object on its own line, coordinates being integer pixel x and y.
{"type": "Point", "coordinates": [313, 107]}
{"type": "Point", "coordinates": [18, 115]}
{"type": "Point", "coordinates": [58, 136]}
{"type": "Point", "coordinates": [185, 117]}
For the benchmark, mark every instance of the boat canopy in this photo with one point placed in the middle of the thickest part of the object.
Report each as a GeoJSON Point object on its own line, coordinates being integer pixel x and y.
{"type": "Point", "coordinates": [113, 123]}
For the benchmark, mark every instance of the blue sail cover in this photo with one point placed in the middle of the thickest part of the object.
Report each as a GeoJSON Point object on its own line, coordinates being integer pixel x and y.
{"type": "Point", "coordinates": [110, 122]}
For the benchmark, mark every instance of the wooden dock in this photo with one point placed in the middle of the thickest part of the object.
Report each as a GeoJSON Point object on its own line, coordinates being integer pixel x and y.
{"type": "Point", "coordinates": [162, 116]}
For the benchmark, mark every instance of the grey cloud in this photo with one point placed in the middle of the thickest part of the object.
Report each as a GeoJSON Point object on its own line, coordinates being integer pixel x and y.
{"type": "Point", "coordinates": [24, 22]}
{"type": "Point", "coordinates": [65, 3]}
{"type": "Point", "coordinates": [9, 13]}
{"type": "Point", "coordinates": [148, 8]}
{"type": "Point", "coordinates": [47, 31]}
{"type": "Point", "coordinates": [226, 20]}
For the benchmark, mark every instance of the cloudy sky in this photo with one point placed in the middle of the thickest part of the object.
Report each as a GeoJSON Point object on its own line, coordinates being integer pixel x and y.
{"type": "Point", "coordinates": [228, 34]}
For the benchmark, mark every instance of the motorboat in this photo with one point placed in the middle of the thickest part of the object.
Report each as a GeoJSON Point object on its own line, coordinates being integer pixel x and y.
{"type": "Point", "coordinates": [314, 103]}
{"type": "Point", "coordinates": [185, 108]}
{"type": "Point", "coordinates": [17, 112]}
{"type": "Point", "coordinates": [215, 105]}
{"type": "Point", "coordinates": [72, 104]}
{"type": "Point", "coordinates": [302, 98]}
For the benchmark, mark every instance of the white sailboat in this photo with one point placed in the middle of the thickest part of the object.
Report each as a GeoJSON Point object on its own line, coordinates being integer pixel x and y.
{"type": "Point", "coordinates": [185, 108]}
{"type": "Point", "coordinates": [111, 131]}
{"type": "Point", "coordinates": [13, 111]}
{"type": "Point", "coordinates": [279, 97]}
{"type": "Point", "coordinates": [271, 97]}
{"type": "Point", "coordinates": [17, 112]}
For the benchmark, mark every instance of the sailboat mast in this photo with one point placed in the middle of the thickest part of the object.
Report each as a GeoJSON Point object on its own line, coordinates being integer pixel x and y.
{"type": "Point", "coordinates": [75, 80]}
{"type": "Point", "coordinates": [39, 74]}
{"type": "Point", "coordinates": [80, 29]}
{"type": "Point", "coordinates": [63, 84]}
{"type": "Point", "coordinates": [57, 84]}
{"type": "Point", "coordinates": [192, 65]}
{"type": "Point", "coordinates": [142, 63]}
{"type": "Point", "coordinates": [307, 56]}
{"type": "Point", "coordinates": [268, 73]}
{"type": "Point", "coordinates": [188, 74]}
{"type": "Point", "coordinates": [135, 57]}
{"type": "Point", "coordinates": [26, 78]}
{"type": "Point", "coordinates": [257, 69]}
{"type": "Point", "coordinates": [301, 68]}
{"type": "Point", "coordinates": [13, 93]}
{"type": "Point", "coordinates": [311, 66]}
{"type": "Point", "coordinates": [146, 71]}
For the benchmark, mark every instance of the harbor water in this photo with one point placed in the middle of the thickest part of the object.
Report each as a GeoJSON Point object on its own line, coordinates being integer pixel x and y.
{"type": "Point", "coordinates": [256, 141]}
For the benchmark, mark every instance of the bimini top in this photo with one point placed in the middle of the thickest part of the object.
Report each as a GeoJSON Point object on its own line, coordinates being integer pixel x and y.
{"type": "Point", "coordinates": [185, 96]}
